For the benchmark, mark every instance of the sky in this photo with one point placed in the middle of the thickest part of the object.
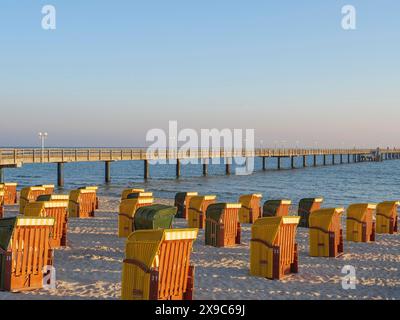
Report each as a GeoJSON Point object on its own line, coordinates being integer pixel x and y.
{"type": "Point", "coordinates": [113, 70]}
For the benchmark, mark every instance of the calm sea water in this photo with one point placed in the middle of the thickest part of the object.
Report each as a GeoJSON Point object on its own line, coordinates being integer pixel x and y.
{"type": "Point", "coordinates": [340, 185]}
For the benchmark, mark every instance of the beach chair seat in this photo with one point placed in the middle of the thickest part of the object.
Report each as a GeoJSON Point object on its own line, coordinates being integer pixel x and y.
{"type": "Point", "coordinates": [58, 210]}
{"type": "Point", "coordinates": [306, 206]}
{"type": "Point", "coordinates": [127, 210]}
{"type": "Point", "coordinates": [10, 193]}
{"type": "Point", "coordinates": [387, 217]}
{"type": "Point", "coordinates": [222, 225]}
{"type": "Point", "coordinates": [276, 208]}
{"type": "Point", "coordinates": [326, 234]}
{"type": "Point", "coordinates": [29, 194]}
{"type": "Point", "coordinates": [360, 226]}
{"type": "Point", "coordinates": [273, 247]}
{"type": "Point", "coordinates": [251, 208]}
{"type": "Point", "coordinates": [24, 252]}
{"type": "Point", "coordinates": [157, 265]}
{"type": "Point", "coordinates": [125, 192]}
{"type": "Point", "coordinates": [155, 216]}
{"type": "Point", "coordinates": [82, 203]}
{"type": "Point", "coordinates": [53, 197]}
{"type": "Point", "coordinates": [197, 210]}
{"type": "Point", "coordinates": [182, 200]}
{"type": "Point", "coordinates": [1, 203]}
{"type": "Point", "coordinates": [49, 188]}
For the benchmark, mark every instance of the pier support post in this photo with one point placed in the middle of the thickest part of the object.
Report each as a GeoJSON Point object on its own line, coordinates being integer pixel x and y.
{"type": "Point", "coordinates": [60, 174]}
{"type": "Point", "coordinates": [178, 168]}
{"type": "Point", "coordinates": [1, 175]}
{"type": "Point", "coordinates": [324, 160]}
{"type": "Point", "coordinates": [228, 167]}
{"type": "Point", "coordinates": [341, 159]}
{"type": "Point", "coordinates": [279, 163]}
{"type": "Point", "coordinates": [333, 159]}
{"type": "Point", "coordinates": [315, 160]}
{"type": "Point", "coordinates": [205, 168]}
{"type": "Point", "coordinates": [348, 158]}
{"type": "Point", "coordinates": [146, 169]}
{"type": "Point", "coordinates": [107, 171]}
{"type": "Point", "coordinates": [264, 164]}
{"type": "Point", "coordinates": [292, 163]}
{"type": "Point", "coordinates": [304, 161]}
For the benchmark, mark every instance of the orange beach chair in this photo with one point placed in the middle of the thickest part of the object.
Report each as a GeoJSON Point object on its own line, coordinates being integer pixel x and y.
{"type": "Point", "coordinates": [251, 208]}
{"type": "Point", "coordinates": [29, 194]}
{"type": "Point", "coordinates": [360, 226]}
{"type": "Point", "coordinates": [386, 217]}
{"type": "Point", "coordinates": [306, 206]}
{"type": "Point", "coordinates": [276, 208]}
{"type": "Point", "coordinates": [182, 200]}
{"type": "Point", "coordinates": [82, 203]}
{"type": "Point", "coordinates": [197, 210]}
{"type": "Point", "coordinates": [10, 193]}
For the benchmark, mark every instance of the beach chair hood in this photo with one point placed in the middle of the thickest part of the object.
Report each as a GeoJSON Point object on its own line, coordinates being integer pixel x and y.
{"type": "Point", "coordinates": [157, 216]}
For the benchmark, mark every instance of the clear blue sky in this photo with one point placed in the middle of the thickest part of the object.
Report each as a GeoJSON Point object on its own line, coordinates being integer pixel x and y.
{"type": "Point", "coordinates": [114, 69]}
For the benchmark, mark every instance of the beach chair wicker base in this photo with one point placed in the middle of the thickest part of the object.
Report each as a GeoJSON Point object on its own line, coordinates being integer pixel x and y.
{"type": "Point", "coordinates": [335, 251]}
{"type": "Point", "coordinates": [281, 271]}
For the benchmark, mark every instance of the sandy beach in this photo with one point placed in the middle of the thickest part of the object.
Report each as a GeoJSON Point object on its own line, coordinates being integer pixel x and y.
{"type": "Point", "coordinates": [90, 267]}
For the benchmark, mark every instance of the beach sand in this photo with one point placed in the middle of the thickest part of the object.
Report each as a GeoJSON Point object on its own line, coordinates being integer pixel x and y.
{"type": "Point", "coordinates": [90, 267]}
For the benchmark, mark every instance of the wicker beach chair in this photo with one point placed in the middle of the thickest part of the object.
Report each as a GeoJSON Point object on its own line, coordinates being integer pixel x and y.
{"type": "Point", "coordinates": [125, 192]}
{"type": "Point", "coordinates": [82, 203]}
{"type": "Point", "coordinates": [326, 235]}
{"type": "Point", "coordinates": [24, 252]}
{"type": "Point", "coordinates": [49, 188]}
{"type": "Point", "coordinates": [92, 188]}
{"type": "Point", "coordinates": [58, 210]}
{"type": "Point", "coordinates": [276, 208]}
{"type": "Point", "coordinates": [386, 217]}
{"type": "Point", "coordinates": [306, 206]}
{"type": "Point", "coordinates": [2, 203]}
{"type": "Point", "coordinates": [136, 195]}
{"type": "Point", "coordinates": [273, 247]}
{"type": "Point", "coordinates": [156, 216]}
{"type": "Point", "coordinates": [127, 210]}
{"type": "Point", "coordinates": [251, 208]}
{"type": "Point", "coordinates": [29, 194]}
{"type": "Point", "coordinates": [197, 210]}
{"type": "Point", "coordinates": [10, 193]}
{"type": "Point", "coordinates": [360, 226]}
{"type": "Point", "coordinates": [157, 265]}
{"type": "Point", "coordinates": [53, 197]}
{"type": "Point", "coordinates": [222, 224]}
{"type": "Point", "coordinates": [182, 200]}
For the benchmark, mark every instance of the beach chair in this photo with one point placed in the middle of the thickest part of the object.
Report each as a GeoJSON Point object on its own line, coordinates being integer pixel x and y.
{"type": "Point", "coordinates": [92, 188]}
{"type": "Point", "coordinates": [273, 247]}
{"type": "Point", "coordinates": [182, 200]}
{"type": "Point", "coordinates": [386, 217]}
{"type": "Point", "coordinates": [251, 208]}
{"type": "Point", "coordinates": [82, 203]}
{"type": "Point", "coordinates": [29, 194]}
{"type": "Point", "coordinates": [127, 210]}
{"type": "Point", "coordinates": [222, 224]}
{"type": "Point", "coordinates": [157, 265]}
{"type": "Point", "coordinates": [360, 226]}
{"type": "Point", "coordinates": [276, 208]}
{"type": "Point", "coordinates": [125, 192]}
{"type": "Point", "coordinates": [58, 210]}
{"type": "Point", "coordinates": [326, 235]}
{"type": "Point", "coordinates": [24, 252]}
{"type": "Point", "coordinates": [155, 216]}
{"type": "Point", "coordinates": [10, 193]}
{"type": "Point", "coordinates": [53, 197]}
{"type": "Point", "coordinates": [306, 206]}
{"type": "Point", "coordinates": [197, 210]}
{"type": "Point", "coordinates": [1, 203]}
{"type": "Point", "coordinates": [49, 188]}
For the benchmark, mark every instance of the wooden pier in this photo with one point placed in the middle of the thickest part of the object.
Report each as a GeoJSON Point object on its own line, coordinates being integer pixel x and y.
{"type": "Point", "coordinates": [11, 158]}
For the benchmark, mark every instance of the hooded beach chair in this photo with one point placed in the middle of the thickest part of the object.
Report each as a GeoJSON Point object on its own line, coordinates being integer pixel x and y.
{"type": "Point", "coordinates": [10, 193]}
{"type": "Point", "coordinates": [82, 203]}
{"type": "Point", "coordinates": [1, 203]}
{"type": "Point", "coordinates": [127, 210]}
{"type": "Point", "coordinates": [155, 216]}
{"type": "Point", "coordinates": [24, 252]}
{"type": "Point", "coordinates": [326, 235]}
{"type": "Point", "coordinates": [386, 217]}
{"type": "Point", "coordinates": [93, 188]}
{"type": "Point", "coordinates": [125, 192]}
{"type": "Point", "coordinates": [182, 200]}
{"type": "Point", "coordinates": [157, 265]}
{"type": "Point", "coordinates": [360, 226]}
{"type": "Point", "coordinates": [222, 224]}
{"type": "Point", "coordinates": [276, 208]}
{"type": "Point", "coordinates": [53, 197]}
{"type": "Point", "coordinates": [273, 247]}
{"type": "Point", "coordinates": [197, 210]}
{"type": "Point", "coordinates": [58, 210]}
{"type": "Point", "coordinates": [306, 206]}
{"type": "Point", "coordinates": [49, 188]}
{"type": "Point", "coordinates": [29, 194]}
{"type": "Point", "coordinates": [251, 208]}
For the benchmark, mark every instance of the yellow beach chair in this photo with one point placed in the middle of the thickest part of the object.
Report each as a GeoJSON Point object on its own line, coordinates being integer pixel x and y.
{"type": "Point", "coordinates": [125, 192]}
{"type": "Point", "coordinates": [326, 235]}
{"type": "Point", "coordinates": [82, 203]}
{"type": "Point", "coordinates": [197, 210]}
{"type": "Point", "coordinates": [58, 210]}
{"type": "Point", "coordinates": [273, 248]}
{"type": "Point", "coordinates": [182, 200]}
{"type": "Point", "coordinates": [251, 208]}
{"type": "Point", "coordinates": [360, 226]}
{"type": "Point", "coordinates": [29, 194]}
{"type": "Point", "coordinates": [157, 265]}
{"type": "Point", "coordinates": [93, 188]}
{"type": "Point", "coordinates": [386, 217]}
{"type": "Point", "coordinates": [306, 206]}
{"type": "Point", "coordinates": [49, 188]}
{"type": "Point", "coordinates": [127, 210]}
{"type": "Point", "coordinates": [10, 193]}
